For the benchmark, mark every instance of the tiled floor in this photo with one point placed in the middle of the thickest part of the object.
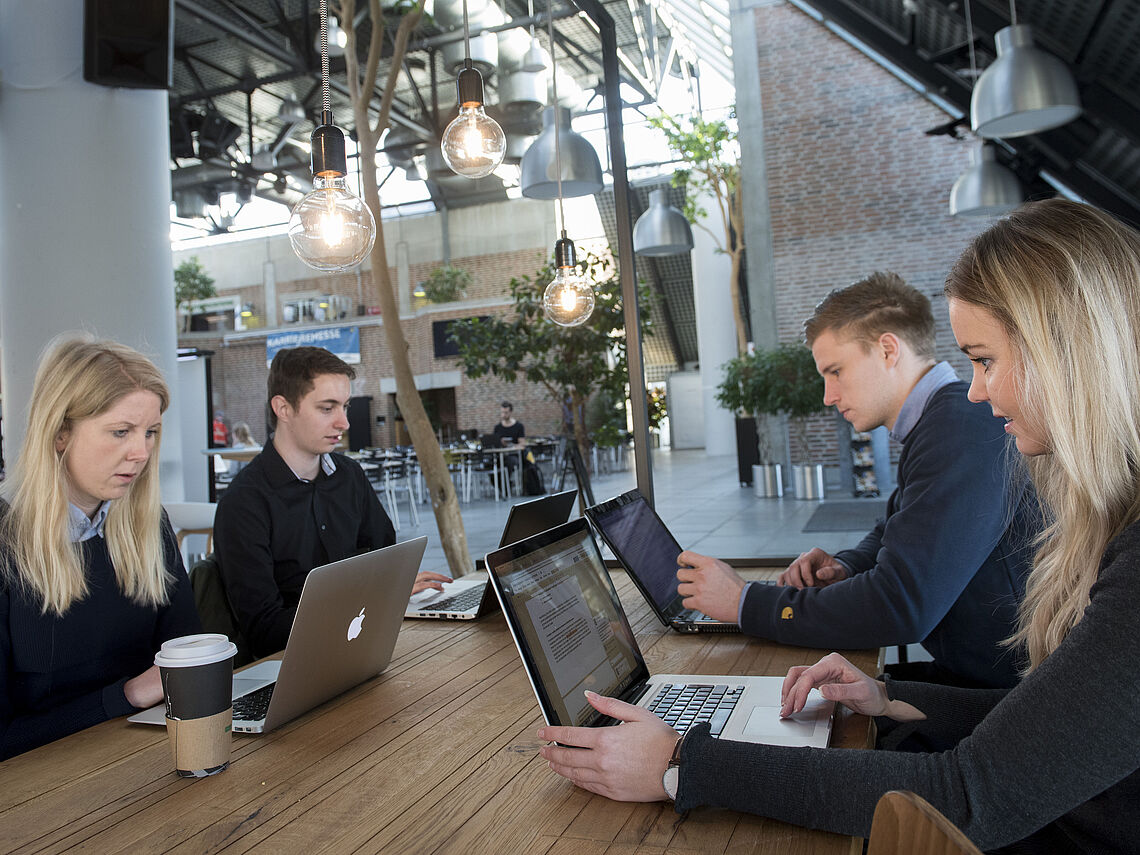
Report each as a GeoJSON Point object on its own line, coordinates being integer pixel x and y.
{"type": "Point", "coordinates": [698, 497]}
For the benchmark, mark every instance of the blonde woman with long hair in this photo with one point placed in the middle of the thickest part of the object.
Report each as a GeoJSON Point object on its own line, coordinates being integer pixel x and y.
{"type": "Point", "coordinates": [1046, 304]}
{"type": "Point", "coordinates": [91, 581]}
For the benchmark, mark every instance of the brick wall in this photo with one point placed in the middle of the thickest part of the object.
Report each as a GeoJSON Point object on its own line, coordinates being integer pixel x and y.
{"type": "Point", "coordinates": [239, 370]}
{"type": "Point", "coordinates": [855, 185]}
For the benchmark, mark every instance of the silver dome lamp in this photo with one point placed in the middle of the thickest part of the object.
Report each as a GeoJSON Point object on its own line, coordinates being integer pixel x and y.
{"type": "Point", "coordinates": [662, 229]}
{"type": "Point", "coordinates": [1025, 90]}
{"type": "Point", "coordinates": [986, 188]}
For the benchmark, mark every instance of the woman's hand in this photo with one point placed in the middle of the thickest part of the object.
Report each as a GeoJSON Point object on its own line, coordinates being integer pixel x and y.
{"type": "Point", "coordinates": [838, 680]}
{"type": "Point", "coordinates": [625, 762]}
{"type": "Point", "coordinates": [145, 690]}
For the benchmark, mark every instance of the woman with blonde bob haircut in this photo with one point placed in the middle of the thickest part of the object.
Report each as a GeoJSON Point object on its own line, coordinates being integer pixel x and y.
{"type": "Point", "coordinates": [91, 581]}
{"type": "Point", "coordinates": [1046, 305]}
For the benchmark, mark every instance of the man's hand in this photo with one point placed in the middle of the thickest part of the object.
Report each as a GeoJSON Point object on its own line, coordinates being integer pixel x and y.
{"type": "Point", "coordinates": [838, 680]}
{"type": "Point", "coordinates": [625, 763]}
{"type": "Point", "coordinates": [813, 569]}
{"type": "Point", "coordinates": [145, 690]}
{"type": "Point", "coordinates": [710, 586]}
{"type": "Point", "coordinates": [426, 580]}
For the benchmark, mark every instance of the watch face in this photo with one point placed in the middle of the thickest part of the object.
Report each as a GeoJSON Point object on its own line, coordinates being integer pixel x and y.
{"type": "Point", "coordinates": [670, 780]}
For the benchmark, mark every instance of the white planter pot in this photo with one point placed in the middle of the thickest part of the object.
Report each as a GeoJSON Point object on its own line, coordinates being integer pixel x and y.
{"type": "Point", "coordinates": [807, 481]}
{"type": "Point", "coordinates": [768, 481]}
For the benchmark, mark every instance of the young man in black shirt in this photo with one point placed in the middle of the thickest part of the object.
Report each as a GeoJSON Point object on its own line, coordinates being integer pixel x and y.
{"type": "Point", "coordinates": [298, 504]}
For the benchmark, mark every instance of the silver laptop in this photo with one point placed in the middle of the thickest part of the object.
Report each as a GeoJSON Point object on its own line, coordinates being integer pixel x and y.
{"type": "Point", "coordinates": [573, 635]}
{"type": "Point", "coordinates": [645, 547]}
{"type": "Point", "coordinates": [470, 597]}
{"type": "Point", "coordinates": [344, 633]}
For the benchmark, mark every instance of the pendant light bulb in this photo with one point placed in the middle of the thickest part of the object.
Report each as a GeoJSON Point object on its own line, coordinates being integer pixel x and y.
{"type": "Point", "coordinates": [330, 228]}
{"type": "Point", "coordinates": [474, 144]}
{"type": "Point", "coordinates": [569, 299]}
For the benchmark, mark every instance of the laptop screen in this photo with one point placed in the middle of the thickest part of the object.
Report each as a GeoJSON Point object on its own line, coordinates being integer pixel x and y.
{"type": "Point", "coordinates": [643, 545]}
{"type": "Point", "coordinates": [529, 518]}
{"type": "Point", "coordinates": [567, 621]}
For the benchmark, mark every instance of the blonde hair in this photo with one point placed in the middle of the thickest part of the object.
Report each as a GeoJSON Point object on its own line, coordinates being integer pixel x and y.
{"type": "Point", "coordinates": [241, 433]}
{"type": "Point", "coordinates": [1063, 279]}
{"type": "Point", "coordinates": [80, 377]}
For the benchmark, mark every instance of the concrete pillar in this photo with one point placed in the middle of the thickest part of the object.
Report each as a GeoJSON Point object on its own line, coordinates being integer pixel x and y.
{"type": "Point", "coordinates": [716, 330]}
{"type": "Point", "coordinates": [84, 212]}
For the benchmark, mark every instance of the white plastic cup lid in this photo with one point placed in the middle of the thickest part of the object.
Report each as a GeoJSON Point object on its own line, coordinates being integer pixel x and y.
{"type": "Point", "coordinates": [189, 651]}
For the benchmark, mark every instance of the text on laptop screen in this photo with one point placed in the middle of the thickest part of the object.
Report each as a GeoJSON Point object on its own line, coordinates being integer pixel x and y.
{"type": "Point", "coordinates": [645, 546]}
{"type": "Point", "coordinates": [572, 630]}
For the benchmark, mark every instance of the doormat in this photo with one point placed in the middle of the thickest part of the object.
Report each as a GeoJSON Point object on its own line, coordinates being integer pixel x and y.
{"type": "Point", "coordinates": [857, 515]}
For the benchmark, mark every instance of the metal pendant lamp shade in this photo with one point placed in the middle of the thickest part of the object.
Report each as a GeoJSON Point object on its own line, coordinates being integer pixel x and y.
{"type": "Point", "coordinates": [581, 170]}
{"type": "Point", "coordinates": [1024, 91]}
{"type": "Point", "coordinates": [662, 229]}
{"type": "Point", "coordinates": [986, 188]}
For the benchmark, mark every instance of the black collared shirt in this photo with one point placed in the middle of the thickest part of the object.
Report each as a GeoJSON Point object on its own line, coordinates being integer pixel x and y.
{"type": "Point", "coordinates": [272, 528]}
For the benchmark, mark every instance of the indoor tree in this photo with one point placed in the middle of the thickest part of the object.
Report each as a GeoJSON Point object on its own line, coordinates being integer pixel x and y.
{"type": "Point", "coordinates": [370, 126]}
{"type": "Point", "coordinates": [571, 363]}
{"type": "Point", "coordinates": [712, 166]}
{"type": "Point", "coordinates": [191, 282]}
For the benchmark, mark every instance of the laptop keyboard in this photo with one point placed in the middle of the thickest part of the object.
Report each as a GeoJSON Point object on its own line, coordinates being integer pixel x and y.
{"type": "Point", "coordinates": [461, 602]}
{"type": "Point", "coordinates": [682, 705]}
{"type": "Point", "coordinates": [255, 705]}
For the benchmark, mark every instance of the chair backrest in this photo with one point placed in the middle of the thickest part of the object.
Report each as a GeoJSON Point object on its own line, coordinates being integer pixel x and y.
{"type": "Point", "coordinates": [905, 823]}
{"type": "Point", "coordinates": [214, 606]}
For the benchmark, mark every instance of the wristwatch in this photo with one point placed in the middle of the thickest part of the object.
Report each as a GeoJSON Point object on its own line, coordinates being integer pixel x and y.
{"type": "Point", "coordinates": [672, 777]}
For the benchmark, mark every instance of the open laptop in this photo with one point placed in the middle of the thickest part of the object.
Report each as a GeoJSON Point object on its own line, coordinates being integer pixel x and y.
{"type": "Point", "coordinates": [470, 597]}
{"type": "Point", "coordinates": [647, 550]}
{"type": "Point", "coordinates": [573, 635]}
{"type": "Point", "coordinates": [344, 632]}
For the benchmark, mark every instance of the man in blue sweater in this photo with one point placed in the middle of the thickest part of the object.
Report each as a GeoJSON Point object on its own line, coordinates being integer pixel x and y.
{"type": "Point", "coordinates": [947, 565]}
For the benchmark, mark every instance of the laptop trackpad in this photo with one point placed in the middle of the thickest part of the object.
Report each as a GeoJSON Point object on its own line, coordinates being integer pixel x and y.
{"type": "Point", "coordinates": [765, 725]}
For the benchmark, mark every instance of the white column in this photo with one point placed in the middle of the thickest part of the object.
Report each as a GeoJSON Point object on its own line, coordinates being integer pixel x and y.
{"type": "Point", "coordinates": [716, 330]}
{"type": "Point", "coordinates": [84, 211]}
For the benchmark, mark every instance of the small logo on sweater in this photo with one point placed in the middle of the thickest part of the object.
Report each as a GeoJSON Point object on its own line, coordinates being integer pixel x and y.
{"type": "Point", "coordinates": [787, 613]}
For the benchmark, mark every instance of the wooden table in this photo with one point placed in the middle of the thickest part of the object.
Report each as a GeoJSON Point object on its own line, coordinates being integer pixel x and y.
{"type": "Point", "coordinates": [437, 754]}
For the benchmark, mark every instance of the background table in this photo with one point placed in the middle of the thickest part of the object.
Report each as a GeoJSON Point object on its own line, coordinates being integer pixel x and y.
{"type": "Point", "coordinates": [437, 754]}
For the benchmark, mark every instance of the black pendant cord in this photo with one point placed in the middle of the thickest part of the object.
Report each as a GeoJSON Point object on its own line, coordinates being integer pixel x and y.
{"type": "Point", "coordinates": [466, 38]}
{"type": "Point", "coordinates": [326, 98]}
{"type": "Point", "coordinates": [554, 100]}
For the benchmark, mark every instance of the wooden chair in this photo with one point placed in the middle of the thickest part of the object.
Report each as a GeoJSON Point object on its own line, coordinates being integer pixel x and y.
{"type": "Point", "coordinates": [906, 824]}
{"type": "Point", "coordinates": [188, 518]}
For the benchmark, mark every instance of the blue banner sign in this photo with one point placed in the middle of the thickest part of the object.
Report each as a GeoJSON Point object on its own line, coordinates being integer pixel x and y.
{"type": "Point", "coordinates": [341, 341]}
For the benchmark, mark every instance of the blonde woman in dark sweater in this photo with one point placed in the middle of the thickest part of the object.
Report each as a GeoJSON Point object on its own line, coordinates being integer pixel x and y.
{"type": "Point", "coordinates": [91, 581]}
{"type": "Point", "coordinates": [1046, 304]}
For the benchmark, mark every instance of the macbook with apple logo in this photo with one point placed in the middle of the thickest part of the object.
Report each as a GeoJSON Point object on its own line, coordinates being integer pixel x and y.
{"type": "Point", "coordinates": [344, 633]}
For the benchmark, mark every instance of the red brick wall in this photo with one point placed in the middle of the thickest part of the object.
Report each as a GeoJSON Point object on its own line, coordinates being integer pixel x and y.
{"type": "Point", "coordinates": [855, 185]}
{"type": "Point", "coordinates": [239, 370]}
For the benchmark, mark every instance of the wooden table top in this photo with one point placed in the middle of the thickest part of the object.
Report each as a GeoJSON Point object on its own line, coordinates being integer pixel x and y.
{"type": "Point", "coordinates": [437, 754]}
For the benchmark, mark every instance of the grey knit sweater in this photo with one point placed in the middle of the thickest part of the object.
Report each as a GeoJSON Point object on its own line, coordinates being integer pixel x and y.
{"type": "Point", "coordinates": [1053, 763]}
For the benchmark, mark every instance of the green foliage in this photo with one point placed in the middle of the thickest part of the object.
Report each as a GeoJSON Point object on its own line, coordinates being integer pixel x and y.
{"type": "Point", "coordinates": [655, 402]}
{"type": "Point", "coordinates": [567, 361]}
{"type": "Point", "coordinates": [446, 284]}
{"type": "Point", "coordinates": [192, 282]}
{"type": "Point", "coordinates": [780, 381]}
{"type": "Point", "coordinates": [710, 150]}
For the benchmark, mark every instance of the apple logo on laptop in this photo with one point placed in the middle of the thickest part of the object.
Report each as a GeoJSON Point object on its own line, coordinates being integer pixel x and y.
{"type": "Point", "coordinates": [356, 625]}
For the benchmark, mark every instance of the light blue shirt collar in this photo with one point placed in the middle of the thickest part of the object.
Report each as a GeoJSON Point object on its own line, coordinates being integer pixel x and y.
{"type": "Point", "coordinates": [81, 528]}
{"type": "Point", "coordinates": [934, 379]}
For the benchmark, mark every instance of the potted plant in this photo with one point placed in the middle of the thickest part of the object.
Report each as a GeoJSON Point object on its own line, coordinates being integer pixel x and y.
{"type": "Point", "coordinates": [795, 390]}
{"type": "Point", "coordinates": [446, 284]}
{"type": "Point", "coordinates": [745, 391]}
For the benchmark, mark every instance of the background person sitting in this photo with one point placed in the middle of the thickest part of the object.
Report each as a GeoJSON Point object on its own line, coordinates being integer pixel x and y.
{"type": "Point", "coordinates": [91, 579]}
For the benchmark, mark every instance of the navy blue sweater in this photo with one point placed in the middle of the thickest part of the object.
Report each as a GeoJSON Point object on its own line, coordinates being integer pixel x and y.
{"type": "Point", "coordinates": [62, 674]}
{"type": "Point", "coordinates": [946, 566]}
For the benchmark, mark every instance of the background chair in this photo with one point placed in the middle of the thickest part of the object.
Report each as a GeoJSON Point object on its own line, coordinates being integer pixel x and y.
{"type": "Point", "coordinates": [906, 824]}
{"type": "Point", "coordinates": [189, 518]}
